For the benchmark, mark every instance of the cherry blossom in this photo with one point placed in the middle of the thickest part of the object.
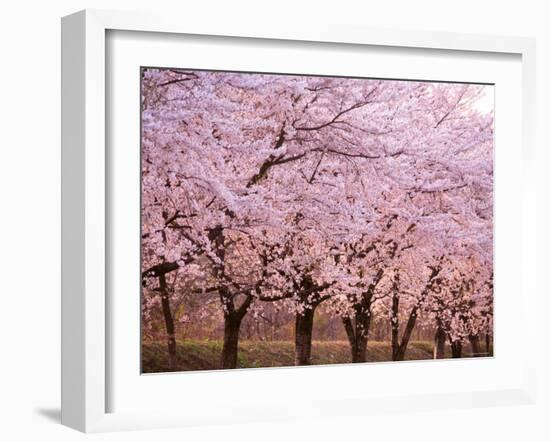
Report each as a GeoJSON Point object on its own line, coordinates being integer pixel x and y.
{"type": "Point", "coordinates": [370, 198]}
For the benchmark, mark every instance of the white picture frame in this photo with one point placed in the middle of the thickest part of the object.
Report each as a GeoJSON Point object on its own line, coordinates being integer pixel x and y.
{"type": "Point", "coordinates": [85, 308]}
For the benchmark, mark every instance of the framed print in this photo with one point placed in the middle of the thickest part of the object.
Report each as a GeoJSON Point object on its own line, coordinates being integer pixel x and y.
{"type": "Point", "coordinates": [249, 208]}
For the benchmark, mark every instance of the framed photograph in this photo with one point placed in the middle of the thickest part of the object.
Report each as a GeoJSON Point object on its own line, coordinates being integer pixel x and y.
{"type": "Point", "coordinates": [255, 208]}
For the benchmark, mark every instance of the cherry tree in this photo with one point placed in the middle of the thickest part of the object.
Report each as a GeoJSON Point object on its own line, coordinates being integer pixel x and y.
{"type": "Point", "coordinates": [301, 190]}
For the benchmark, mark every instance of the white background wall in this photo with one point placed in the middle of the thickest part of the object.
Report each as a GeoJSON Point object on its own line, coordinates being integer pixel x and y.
{"type": "Point", "coordinates": [30, 216]}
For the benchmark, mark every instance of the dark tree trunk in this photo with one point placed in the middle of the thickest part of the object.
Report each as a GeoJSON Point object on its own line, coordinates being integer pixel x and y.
{"type": "Point", "coordinates": [476, 347]}
{"type": "Point", "coordinates": [232, 324]}
{"type": "Point", "coordinates": [456, 349]}
{"type": "Point", "coordinates": [399, 354]}
{"type": "Point", "coordinates": [439, 343]}
{"type": "Point", "coordinates": [169, 323]}
{"type": "Point", "coordinates": [233, 317]}
{"type": "Point", "coordinates": [304, 331]}
{"type": "Point", "coordinates": [350, 332]}
{"type": "Point", "coordinates": [395, 324]}
{"type": "Point", "coordinates": [401, 348]}
{"type": "Point", "coordinates": [488, 347]}
{"type": "Point", "coordinates": [361, 349]}
{"type": "Point", "coordinates": [310, 295]}
{"type": "Point", "coordinates": [358, 329]}
{"type": "Point", "coordinates": [357, 336]}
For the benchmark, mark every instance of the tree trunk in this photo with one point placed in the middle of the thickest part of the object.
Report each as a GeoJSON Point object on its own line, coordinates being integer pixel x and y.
{"type": "Point", "coordinates": [233, 318]}
{"type": "Point", "coordinates": [476, 347]}
{"type": "Point", "coordinates": [456, 349]}
{"type": "Point", "coordinates": [395, 324]}
{"type": "Point", "coordinates": [358, 338]}
{"type": "Point", "coordinates": [169, 323]}
{"type": "Point", "coordinates": [439, 343]}
{"type": "Point", "coordinates": [232, 324]}
{"type": "Point", "coordinates": [304, 331]}
{"type": "Point", "coordinates": [361, 349]}
{"type": "Point", "coordinates": [399, 354]}
{"type": "Point", "coordinates": [357, 330]}
{"type": "Point", "coordinates": [350, 332]}
{"type": "Point", "coordinates": [399, 349]}
{"type": "Point", "coordinates": [488, 348]}
{"type": "Point", "coordinates": [310, 295]}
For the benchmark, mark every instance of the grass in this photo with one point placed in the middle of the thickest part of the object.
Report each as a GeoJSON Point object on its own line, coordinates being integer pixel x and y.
{"type": "Point", "coordinates": [205, 355]}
